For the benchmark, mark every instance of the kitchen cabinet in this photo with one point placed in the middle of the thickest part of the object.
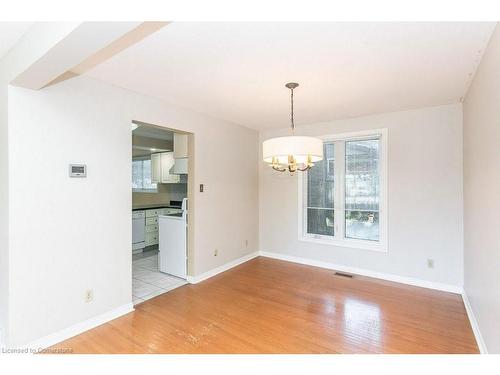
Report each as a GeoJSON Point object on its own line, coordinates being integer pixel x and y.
{"type": "Point", "coordinates": [161, 166]}
{"type": "Point", "coordinates": [180, 146]}
{"type": "Point", "coordinates": [155, 168]}
{"type": "Point", "coordinates": [151, 238]}
{"type": "Point", "coordinates": [151, 227]}
{"type": "Point", "coordinates": [181, 153]}
{"type": "Point", "coordinates": [167, 163]}
{"type": "Point", "coordinates": [153, 213]}
{"type": "Point", "coordinates": [152, 220]}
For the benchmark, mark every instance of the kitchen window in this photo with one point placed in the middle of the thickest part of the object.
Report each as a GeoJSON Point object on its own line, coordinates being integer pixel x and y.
{"type": "Point", "coordinates": [141, 176]}
{"type": "Point", "coordinates": [342, 199]}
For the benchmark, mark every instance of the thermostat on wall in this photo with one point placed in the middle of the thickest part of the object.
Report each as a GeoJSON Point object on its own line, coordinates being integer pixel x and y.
{"type": "Point", "coordinates": [77, 170]}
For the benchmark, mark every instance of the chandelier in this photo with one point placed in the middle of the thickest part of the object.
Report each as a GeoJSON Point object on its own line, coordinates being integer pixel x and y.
{"type": "Point", "coordinates": [292, 153]}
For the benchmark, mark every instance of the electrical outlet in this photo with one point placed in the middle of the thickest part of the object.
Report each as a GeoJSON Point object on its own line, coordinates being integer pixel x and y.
{"type": "Point", "coordinates": [89, 295]}
{"type": "Point", "coordinates": [216, 252]}
{"type": "Point", "coordinates": [430, 263]}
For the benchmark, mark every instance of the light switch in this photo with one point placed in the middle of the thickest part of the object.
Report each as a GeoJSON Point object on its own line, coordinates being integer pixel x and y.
{"type": "Point", "coordinates": [201, 188]}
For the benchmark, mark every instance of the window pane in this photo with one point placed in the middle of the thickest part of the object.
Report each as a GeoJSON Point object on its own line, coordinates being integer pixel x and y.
{"type": "Point", "coordinates": [362, 189]}
{"type": "Point", "coordinates": [320, 221]}
{"type": "Point", "coordinates": [137, 174]}
{"type": "Point", "coordinates": [141, 175]}
{"type": "Point", "coordinates": [147, 184]}
{"type": "Point", "coordinates": [320, 194]}
{"type": "Point", "coordinates": [362, 225]}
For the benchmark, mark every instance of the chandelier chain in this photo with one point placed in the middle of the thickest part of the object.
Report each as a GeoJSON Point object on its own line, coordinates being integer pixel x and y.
{"type": "Point", "coordinates": [291, 99]}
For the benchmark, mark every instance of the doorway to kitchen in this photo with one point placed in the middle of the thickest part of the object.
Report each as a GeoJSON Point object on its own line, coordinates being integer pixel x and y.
{"type": "Point", "coordinates": [160, 179]}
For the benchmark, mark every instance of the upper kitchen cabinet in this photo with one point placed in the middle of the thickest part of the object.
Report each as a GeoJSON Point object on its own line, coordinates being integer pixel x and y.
{"type": "Point", "coordinates": [180, 153]}
{"type": "Point", "coordinates": [167, 162]}
{"type": "Point", "coordinates": [180, 146]}
{"type": "Point", "coordinates": [161, 164]}
{"type": "Point", "coordinates": [155, 168]}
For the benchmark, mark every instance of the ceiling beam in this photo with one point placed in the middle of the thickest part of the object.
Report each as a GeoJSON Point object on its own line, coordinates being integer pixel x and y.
{"type": "Point", "coordinates": [32, 46]}
{"type": "Point", "coordinates": [125, 41]}
{"type": "Point", "coordinates": [73, 48]}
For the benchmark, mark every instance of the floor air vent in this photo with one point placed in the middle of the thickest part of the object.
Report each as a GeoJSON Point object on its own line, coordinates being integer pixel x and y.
{"type": "Point", "coordinates": [343, 275]}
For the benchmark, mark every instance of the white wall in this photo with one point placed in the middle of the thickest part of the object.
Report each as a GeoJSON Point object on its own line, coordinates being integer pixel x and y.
{"type": "Point", "coordinates": [4, 214]}
{"type": "Point", "coordinates": [69, 235]}
{"type": "Point", "coordinates": [481, 194]}
{"type": "Point", "coordinates": [30, 48]}
{"type": "Point", "coordinates": [424, 198]}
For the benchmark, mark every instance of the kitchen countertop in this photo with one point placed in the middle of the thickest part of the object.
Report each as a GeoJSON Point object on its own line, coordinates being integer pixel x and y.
{"type": "Point", "coordinates": [152, 206]}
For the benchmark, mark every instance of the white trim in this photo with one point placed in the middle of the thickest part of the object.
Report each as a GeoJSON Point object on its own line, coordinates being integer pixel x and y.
{"type": "Point", "coordinates": [347, 242]}
{"type": "Point", "coordinates": [360, 271]}
{"type": "Point", "coordinates": [475, 326]}
{"type": "Point", "coordinates": [339, 240]}
{"type": "Point", "coordinates": [79, 328]}
{"type": "Point", "coordinates": [224, 267]}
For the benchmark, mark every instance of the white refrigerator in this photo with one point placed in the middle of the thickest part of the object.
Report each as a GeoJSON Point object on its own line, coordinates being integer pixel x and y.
{"type": "Point", "coordinates": [172, 258]}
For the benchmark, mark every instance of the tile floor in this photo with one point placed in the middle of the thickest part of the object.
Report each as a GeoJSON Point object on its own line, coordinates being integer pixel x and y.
{"type": "Point", "coordinates": [147, 281]}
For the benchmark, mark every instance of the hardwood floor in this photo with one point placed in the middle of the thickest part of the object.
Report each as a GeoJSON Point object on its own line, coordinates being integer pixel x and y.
{"type": "Point", "coordinates": [272, 306]}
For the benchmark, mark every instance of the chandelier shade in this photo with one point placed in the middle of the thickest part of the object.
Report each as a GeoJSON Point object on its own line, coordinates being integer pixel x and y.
{"type": "Point", "coordinates": [303, 149]}
{"type": "Point", "coordinates": [293, 153]}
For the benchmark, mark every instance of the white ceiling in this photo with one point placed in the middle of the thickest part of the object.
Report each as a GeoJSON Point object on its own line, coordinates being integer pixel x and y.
{"type": "Point", "coordinates": [10, 32]}
{"type": "Point", "coordinates": [154, 132]}
{"type": "Point", "coordinates": [237, 71]}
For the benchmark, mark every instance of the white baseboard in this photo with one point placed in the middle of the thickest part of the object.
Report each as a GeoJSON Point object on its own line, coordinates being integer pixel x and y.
{"type": "Point", "coordinates": [76, 329]}
{"type": "Point", "coordinates": [359, 271]}
{"type": "Point", "coordinates": [475, 326]}
{"type": "Point", "coordinates": [224, 267]}
{"type": "Point", "coordinates": [81, 327]}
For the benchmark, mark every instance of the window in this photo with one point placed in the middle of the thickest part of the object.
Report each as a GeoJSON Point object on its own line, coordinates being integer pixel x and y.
{"type": "Point", "coordinates": [362, 189]}
{"type": "Point", "coordinates": [320, 194]}
{"type": "Point", "coordinates": [141, 176]}
{"type": "Point", "coordinates": [342, 198]}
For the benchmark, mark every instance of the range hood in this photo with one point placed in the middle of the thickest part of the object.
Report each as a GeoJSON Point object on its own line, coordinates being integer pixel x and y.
{"type": "Point", "coordinates": [180, 166]}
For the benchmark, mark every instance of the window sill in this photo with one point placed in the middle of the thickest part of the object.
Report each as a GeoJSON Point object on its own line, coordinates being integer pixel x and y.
{"type": "Point", "coordinates": [356, 244]}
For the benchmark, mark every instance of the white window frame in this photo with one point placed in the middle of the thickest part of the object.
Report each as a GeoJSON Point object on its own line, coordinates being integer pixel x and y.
{"type": "Point", "coordinates": [143, 190]}
{"type": "Point", "coordinates": [339, 209]}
